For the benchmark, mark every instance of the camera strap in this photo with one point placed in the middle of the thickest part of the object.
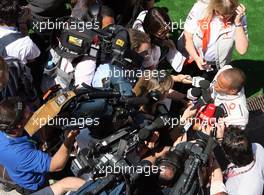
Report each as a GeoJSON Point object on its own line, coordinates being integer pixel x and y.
{"type": "Point", "coordinates": [232, 173]}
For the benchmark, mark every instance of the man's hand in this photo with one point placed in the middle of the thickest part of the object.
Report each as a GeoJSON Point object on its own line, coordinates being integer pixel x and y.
{"type": "Point", "coordinates": [70, 137]}
{"type": "Point", "coordinates": [188, 113]}
{"type": "Point", "coordinates": [201, 63]}
{"type": "Point", "coordinates": [60, 158]}
{"type": "Point", "coordinates": [186, 79]}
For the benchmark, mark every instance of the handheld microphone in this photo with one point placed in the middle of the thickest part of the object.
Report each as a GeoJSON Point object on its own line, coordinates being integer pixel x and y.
{"type": "Point", "coordinates": [203, 100]}
{"type": "Point", "coordinates": [194, 93]}
{"type": "Point", "coordinates": [200, 82]}
{"type": "Point", "coordinates": [204, 84]}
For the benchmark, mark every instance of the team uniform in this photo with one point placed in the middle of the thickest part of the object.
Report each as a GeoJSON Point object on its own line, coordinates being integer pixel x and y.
{"type": "Point", "coordinates": [212, 38]}
{"type": "Point", "coordinates": [249, 179]}
{"type": "Point", "coordinates": [234, 106]}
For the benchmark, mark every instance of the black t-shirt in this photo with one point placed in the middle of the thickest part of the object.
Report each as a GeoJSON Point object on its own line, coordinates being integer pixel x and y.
{"type": "Point", "coordinates": [48, 8]}
{"type": "Point", "coordinates": [123, 9]}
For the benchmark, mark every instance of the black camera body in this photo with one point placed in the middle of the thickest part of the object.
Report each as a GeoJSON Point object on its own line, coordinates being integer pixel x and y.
{"type": "Point", "coordinates": [190, 182]}
{"type": "Point", "coordinates": [108, 151]}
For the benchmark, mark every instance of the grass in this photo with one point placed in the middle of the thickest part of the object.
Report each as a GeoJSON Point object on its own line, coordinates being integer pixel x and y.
{"type": "Point", "coordinates": [253, 61]}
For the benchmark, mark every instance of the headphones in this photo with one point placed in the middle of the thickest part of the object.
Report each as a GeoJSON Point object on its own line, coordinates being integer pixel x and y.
{"type": "Point", "coordinates": [19, 108]}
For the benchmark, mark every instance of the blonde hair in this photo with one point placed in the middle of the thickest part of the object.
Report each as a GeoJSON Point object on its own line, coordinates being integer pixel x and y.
{"type": "Point", "coordinates": [146, 84]}
{"type": "Point", "coordinates": [225, 7]}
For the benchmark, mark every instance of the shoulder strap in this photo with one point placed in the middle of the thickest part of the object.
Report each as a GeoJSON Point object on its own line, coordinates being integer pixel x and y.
{"type": "Point", "coordinates": [6, 40]}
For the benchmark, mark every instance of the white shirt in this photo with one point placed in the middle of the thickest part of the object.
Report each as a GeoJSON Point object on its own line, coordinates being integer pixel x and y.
{"type": "Point", "coordinates": [103, 71]}
{"type": "Point", "coordinates": [83, 72]}
{"type": "Point", "coordinates": [235, 106]}
{"type": "Point", "coordinates": [215, 29]}
{"type": "Point", "coordinates": [251, 182]}
{"type": "Point", "coordinates": [23, 49]}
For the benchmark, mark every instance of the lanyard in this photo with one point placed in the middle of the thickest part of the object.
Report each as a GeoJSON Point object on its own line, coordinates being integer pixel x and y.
{"type": "Point", "coordinates": [231, 173]}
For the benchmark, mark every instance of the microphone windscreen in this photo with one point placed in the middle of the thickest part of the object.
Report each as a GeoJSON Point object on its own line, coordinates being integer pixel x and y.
{"type": "Point", "coordinates": [194, 93]}
{"type": "Point", "coordinates": [204, 84]}
{"type": "Point", "coordinates": [196, 81]}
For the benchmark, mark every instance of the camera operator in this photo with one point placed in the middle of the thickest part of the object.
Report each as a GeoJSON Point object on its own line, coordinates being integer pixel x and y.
{"type": "Point", "coordinates": [80, 69]}
{"type": "Point", "coordinates": [25, 164]}
{"type": "Point", "coordinates": [228, 93]}
{"type": "Point", "coordinates": [244, 174]}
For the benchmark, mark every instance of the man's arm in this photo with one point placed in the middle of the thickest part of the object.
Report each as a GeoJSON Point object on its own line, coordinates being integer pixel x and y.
{"type": "Point", "coordinates": [59, 160]}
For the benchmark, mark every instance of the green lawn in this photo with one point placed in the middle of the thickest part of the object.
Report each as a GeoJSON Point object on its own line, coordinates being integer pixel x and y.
{"type": "Point", "coordinates": [253, 62]}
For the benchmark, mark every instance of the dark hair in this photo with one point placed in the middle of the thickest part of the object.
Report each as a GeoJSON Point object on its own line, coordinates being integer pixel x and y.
{"type": "Point", "coordinates": [237, 78]}
{"type": "Point", "coordinates": [9, 12]}
{"type": "Point", "coordinates": [155, 19]}
{"type": "Point", "coordinates": [107, 11]}
{"type": "Point", "coordinates": [11, 111]}
{"type": "Point", "coordinates": [137, 38]}
{"type": "Point", "coordinates": [237, 147]}
{"type": "Point", "coordinates": [171, 161]}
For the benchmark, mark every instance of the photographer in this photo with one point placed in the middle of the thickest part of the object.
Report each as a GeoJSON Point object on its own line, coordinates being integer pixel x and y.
{"type": "Point", "coordinates": [25, 164]}
{"type": "Point", "coordinates": [244, 175]}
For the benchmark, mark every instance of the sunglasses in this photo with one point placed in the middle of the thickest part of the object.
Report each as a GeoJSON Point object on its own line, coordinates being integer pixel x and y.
{"type": "Point", "coordinates": [144, 53]}
{"type": "Point", "coordinates": [225, 17]}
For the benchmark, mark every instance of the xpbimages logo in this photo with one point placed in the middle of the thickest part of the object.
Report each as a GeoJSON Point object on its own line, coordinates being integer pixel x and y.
{"type": "Point", "coordinates": [81, 26]}
{"type": "Point", "coordinates": [60, 122]}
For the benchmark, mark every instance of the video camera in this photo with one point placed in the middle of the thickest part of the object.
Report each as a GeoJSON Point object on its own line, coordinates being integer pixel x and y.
{"type": "Point", "coordinates": [101, 153]}
{"type": "Point", "coordinates": [197, 153]}
{"type": "Point", "coordinates": [200, 94]}
{"type": "Point", "coordinates": [78, 39]}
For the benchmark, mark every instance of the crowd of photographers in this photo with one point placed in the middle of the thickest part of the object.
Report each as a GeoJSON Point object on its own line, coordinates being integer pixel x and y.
{"type": "Point", "coordinates": [155, 96]}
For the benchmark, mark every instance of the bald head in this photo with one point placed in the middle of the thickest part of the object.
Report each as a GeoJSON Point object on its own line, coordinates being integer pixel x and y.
{"type": "Point", "coordinates": [235, 77]}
